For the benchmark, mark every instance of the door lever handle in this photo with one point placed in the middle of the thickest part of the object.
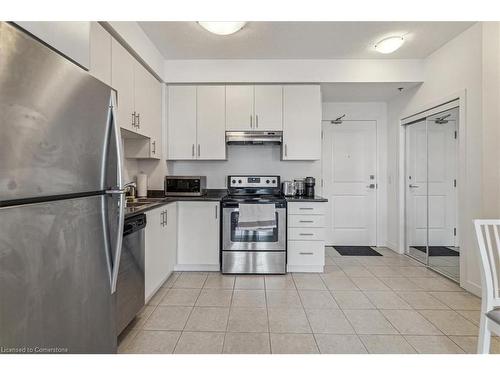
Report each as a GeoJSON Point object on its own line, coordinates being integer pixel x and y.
{"type": "Point", "coordinates": [413, 186]}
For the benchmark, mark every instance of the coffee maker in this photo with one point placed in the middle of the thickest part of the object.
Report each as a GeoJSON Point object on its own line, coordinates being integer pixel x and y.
{"type": "Point", "coordinates": [310, 183]}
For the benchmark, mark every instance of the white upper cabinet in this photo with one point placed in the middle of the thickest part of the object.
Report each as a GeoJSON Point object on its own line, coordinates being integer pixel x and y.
{"type": "Point", "coordinates": [122, 80]}
{"type": "Point", "coordinates": [301, 122]}
{"type": "Point", "coordinates": [100, 53]}
{"type": "Point", "coordinates": [70, 38]}
{"type": "Point", "coordinates": [181, 122]}
{"type": "Point", "coordinates": [240, 107]}
{"type": "Point", "coordinates": [147, 108]}
{"type": "Point", "coordinates": [268, 107]}
{"type": "Point", "coordinates": [250, 107]}
{"type": "Point", "coordinates": [211, 122]}
{"type": "Point", "coordinates": [147, 101]}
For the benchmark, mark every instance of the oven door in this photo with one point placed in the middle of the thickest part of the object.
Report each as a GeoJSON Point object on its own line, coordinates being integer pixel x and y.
{"type": "Point", "coordinates": [235, 238]}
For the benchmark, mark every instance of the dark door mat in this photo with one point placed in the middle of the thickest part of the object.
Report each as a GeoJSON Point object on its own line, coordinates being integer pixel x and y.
{"type": "Point", "coordinates": [356, 251]}
{"type": "Point", "coordinates": [438, 251]}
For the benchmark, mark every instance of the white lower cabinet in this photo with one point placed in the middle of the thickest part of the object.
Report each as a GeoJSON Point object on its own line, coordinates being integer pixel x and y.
{"type": "Point", "coordinates": [198, 236]}
{"type": "Point", "coordinates": [160, 247]}
{"type": "Point", "coordinates": [306, 237]}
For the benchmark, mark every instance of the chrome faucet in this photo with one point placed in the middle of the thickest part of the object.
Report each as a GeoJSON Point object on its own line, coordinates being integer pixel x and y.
{"type": "Point", "coordinates": [130, 189]}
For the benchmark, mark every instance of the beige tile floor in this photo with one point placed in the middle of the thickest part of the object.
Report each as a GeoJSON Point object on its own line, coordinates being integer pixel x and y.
{"type": "Point", "coordinates": [388, 304]}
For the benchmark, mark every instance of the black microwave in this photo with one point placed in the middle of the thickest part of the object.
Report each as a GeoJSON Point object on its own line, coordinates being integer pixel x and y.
{"type": "Point", "coordinates": [185, 185]}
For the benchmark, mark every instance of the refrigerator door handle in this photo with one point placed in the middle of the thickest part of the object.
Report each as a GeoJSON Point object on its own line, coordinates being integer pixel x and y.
{"type": "Point", "coordinates": [118, 144]}
{"type": "Point", "coordinates": [118, 190]}
{"type": "Point", "coordinates": [119, 240]}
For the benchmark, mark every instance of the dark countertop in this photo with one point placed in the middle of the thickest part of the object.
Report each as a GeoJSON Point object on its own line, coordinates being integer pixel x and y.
{"type": "Point", "coordinates": [316, 198]}
{"type": "Point", "coordinates": [213, 195]}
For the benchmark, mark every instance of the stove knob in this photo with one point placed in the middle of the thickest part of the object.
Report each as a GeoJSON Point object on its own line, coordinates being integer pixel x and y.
{"type": "Point", "coordinates": [267, 181]}
{"type": "Point", "coordinates": [234, 181]}
{"type": "Point", "coordinates": [274, 181]}
{"type": "Point", "coordinates": [239, 181]}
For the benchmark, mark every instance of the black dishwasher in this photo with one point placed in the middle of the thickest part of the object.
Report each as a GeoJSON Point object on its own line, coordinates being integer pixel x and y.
{"type": "Point", "coordinates": [130, 282]}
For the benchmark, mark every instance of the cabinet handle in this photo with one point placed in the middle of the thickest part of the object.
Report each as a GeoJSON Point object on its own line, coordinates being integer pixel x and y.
{"type": "Point", "coordinates": [306, 221]}
{"type": "Point", "coordinates": [154, 147]}
{"type": "Point", "coordinates": [256, 121]}
{"type": "Point", "coordinates": [286, 150]}
{"type": "Point", "coordinates": [133, 119]}
{"type": "Point", "coordinates": [306, 253]}
{"type": "Point", "coordinates": [162, 222]}
{"type": "Point", "coordinates": [306, 234]}
{"type": "Point", "coordinates": [251, 121]}
{"type": "Point", "coordinates": [139, 120]}
{"type": "Point", "coordinates": [306, 208]}
{"type": "Point", "coordinates": [199, 152]}
{"type": "Point", "coordinates": [192, 151]}
{"type": "Point", "coordinates": [166, 217]}
{"type": "Point", "coordinates": [216, 212]}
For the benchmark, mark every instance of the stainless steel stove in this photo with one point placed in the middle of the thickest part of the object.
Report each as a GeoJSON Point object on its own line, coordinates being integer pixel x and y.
{"type": "Point", "coordinates": [255, 250]}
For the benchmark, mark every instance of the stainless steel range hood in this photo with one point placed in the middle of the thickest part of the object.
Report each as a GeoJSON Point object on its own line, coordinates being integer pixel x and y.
{"type": "Point", "coordinates": [254, 137]}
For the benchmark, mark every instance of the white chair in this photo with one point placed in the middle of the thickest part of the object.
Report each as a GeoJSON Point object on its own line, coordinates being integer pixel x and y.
{"type": "Point", "coordinates": [489, 249]}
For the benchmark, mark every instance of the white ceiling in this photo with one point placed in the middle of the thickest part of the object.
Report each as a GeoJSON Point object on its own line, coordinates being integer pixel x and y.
{"type": "Point", "coordinates": [300, 40]}
{"type": "Point", "coordinates": [362, 92]}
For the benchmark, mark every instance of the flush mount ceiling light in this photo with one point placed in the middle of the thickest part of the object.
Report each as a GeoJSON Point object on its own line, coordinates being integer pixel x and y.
{"type": "Point", "coordinates": [222, 28]}
{"type": "Point", "coordinates": [390, 44]}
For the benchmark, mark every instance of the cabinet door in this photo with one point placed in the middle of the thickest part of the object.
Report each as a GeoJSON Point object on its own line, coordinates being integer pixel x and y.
{"type": "Point", "coordinates": [147, 100]}
{"type": "Point", "coordinates": [268, 107]}
{"type": "Point", "coordinates": [100, 53]}
{"type": "Point", "coordinates": [156, 259]}
{"type": "Point", "coordinates": [211, 122]}
{"type": "Point", "coordinates": [156, 118]}
{"type": "Point", "coordinates": [122, 80]}
{"type": "Point", "coordinates": [198, 241]}
{"type": "Point", "coordinates": [301, 122]}
{"type": "Point", "coordinates": [170, 238]}
{"type": "Point", "coordinates": [181, 114]}
{"type": "Point", "coordinates": [239, 107]}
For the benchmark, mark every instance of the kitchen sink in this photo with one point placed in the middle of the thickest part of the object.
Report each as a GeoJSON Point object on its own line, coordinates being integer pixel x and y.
{"type": "Point", "coordinates": [139, 202]}
{"type": "Point", "coordinates": [135, 204]}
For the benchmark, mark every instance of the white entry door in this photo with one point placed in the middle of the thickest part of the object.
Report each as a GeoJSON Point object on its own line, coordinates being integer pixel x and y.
{"type": "Point", "coordinates": [350, 182]}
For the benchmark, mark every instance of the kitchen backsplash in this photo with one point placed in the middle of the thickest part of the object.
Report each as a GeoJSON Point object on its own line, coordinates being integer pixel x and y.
{"type": "Point", "coordinates": [250, 159]}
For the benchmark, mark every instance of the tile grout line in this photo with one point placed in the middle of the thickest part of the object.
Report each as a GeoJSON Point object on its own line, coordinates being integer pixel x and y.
{"type": "Point", "coordinates": [228, 316]}
{"type": "Point", "coordinates": [267, 315]}
{"type": "Point", "coordinates": [187, 320]}
{"type": "Point", "coordinates": [305, 313]}
{"type": "Point", "coordinates": [154, 309]}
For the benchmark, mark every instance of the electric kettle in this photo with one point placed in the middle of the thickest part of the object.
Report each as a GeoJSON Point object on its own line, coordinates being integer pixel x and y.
{"type": "Point", "coordinates": [288, 188]}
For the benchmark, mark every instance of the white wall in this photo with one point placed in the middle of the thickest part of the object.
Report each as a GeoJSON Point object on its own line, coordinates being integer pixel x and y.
{"type": "Point", "coordinates": [267, 159]}
{"type": "Point", "coordinates": [248, 159]}
{"type": "Point", "coordinates": [376, 111]}
{"type": "Point", "coordinates": [455, 67]}
{"type": "Point", "coordinates": [280, 71]}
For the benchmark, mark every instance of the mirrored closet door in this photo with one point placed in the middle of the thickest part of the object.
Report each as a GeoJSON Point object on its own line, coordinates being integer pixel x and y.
{"type": "Point", "coordinates": [431, 192]}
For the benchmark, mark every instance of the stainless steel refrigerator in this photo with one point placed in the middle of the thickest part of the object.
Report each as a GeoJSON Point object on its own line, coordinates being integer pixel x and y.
{"type": "Point", "coordinates": [61, 202]}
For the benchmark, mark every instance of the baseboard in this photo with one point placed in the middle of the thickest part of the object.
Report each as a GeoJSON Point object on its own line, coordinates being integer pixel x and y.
{"type": "Point", "coordinates": [148, 298]}
{"type": "Point", "coordinates": [197, 267]}
{"type": "Point", "coordinates": [471, 287]}
{"type": "Point", "coordinates": [315, 269]}
{"type": "Point", "coordinates": [394, 247]}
